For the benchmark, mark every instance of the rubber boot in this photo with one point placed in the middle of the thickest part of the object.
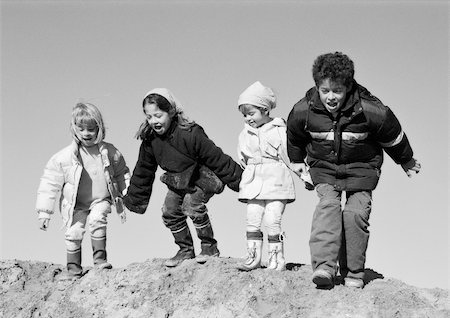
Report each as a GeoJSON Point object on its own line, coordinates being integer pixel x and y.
{"type": "Point", "coordinates": [254, 249]}
{"type": "Point", "coordinates": [183, 239]}
{"type": "Point", "coordinates": [74, 269]}
{"type": "Point", "coordinates": [276, 252]}
{"type": "Point", "coordinates": [208, 243]}
{"type": "Point", "coordinates": [99, 253]}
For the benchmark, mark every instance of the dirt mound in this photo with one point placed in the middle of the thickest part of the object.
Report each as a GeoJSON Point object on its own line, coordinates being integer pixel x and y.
{"type": "Point", "coordinates": [214, 289]}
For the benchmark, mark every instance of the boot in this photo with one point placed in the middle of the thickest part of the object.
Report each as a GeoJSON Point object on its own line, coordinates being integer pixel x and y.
{"type": "Point", "coordinates": [208, 243]}
{"type": "Point", "coordinates": [99, 253]}
{"type": "Point", "coordinates": [183, 239]}
{"type": "Point", "coordinates": [276, 253]}
{"type": "Point", "coordinates": [276, 257]}
{"type": "Point", "coordinates": [254, 248]}
{"type": "Point", "coordinates": [74, 269]}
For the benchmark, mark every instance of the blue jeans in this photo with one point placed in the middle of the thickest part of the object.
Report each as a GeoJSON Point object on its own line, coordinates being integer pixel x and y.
{"type": "Point", "coordinates": [340, 235]}
{"type": "Point", "coordinates": [179, 204]}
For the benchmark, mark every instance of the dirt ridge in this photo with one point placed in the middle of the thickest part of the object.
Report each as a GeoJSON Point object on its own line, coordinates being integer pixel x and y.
{"type": "Point", "coordinates": [31, 289]}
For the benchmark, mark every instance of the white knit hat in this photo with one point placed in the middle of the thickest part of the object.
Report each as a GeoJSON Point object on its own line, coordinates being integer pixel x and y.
{"type": "Point", "coordinates": [258, 95]}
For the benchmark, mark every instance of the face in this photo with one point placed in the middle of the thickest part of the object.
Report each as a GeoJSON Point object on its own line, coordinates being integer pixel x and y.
{"type": "Point", "coordinates": [87, 133]}
{"type": "Point", "coordinates": [332, 95]}
{"type": "Point", "coordinates": [254, 116]}
{"type": "Point", "coordinates": [158, 120]}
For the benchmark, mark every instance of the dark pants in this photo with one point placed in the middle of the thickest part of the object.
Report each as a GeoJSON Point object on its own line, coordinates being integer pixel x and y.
{"type": "Point", "coordinates": [340, 235]}
{"type": "Point", "coordinates": [178, 205]}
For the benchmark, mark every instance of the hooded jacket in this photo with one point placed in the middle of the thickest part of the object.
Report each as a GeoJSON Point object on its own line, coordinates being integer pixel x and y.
{"type": "Point", "coordinates": [167, 151]}
{"type": "Point", "coordinates": [62, 175]}
{"type": "Point", "coordinates": [346, 151]}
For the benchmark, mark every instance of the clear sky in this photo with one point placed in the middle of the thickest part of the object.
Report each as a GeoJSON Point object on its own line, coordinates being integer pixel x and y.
{"type": "Point", "coordinates": [110, 53]}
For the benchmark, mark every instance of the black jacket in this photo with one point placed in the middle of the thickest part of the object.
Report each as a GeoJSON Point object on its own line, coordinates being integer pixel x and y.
{"type": "Point", "coordinates": [346, 152]}
{"type": "Point", "coordinates": [164, 151]}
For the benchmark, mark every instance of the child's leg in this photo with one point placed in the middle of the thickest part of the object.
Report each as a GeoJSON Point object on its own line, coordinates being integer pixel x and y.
{"type": "Point", "coordinates": [97, 227]}
{"type": "Point", "coordinates": [356, 234]}
{"type": "Point", "coordinates": [326, 229]}
{"type": "Point", "coordinates": [194, 206]}
{"type": "Point", "coordinates": [255, 212]}
{"type": "Point", "coordinates": [175, 220]}
{"type": "Point", "coordinates": [74, 236]}
{"type": "Point", "coordinates": [272, 219]}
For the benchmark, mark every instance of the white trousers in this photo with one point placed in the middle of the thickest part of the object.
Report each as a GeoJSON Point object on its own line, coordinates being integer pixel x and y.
{"type": "Point", "coordinates": [269, 212]}
{"type": "Point", "coordinates": [96, 218]}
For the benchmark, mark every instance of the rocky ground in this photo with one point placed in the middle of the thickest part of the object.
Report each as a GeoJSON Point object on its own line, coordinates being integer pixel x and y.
{"type": "Point", "coordinates": [215, 289]}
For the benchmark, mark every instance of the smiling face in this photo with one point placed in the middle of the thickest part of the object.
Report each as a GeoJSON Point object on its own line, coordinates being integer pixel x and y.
{"type": "Point", "coordinates": [87, 132]}
{"type": "Point", "coordinates": [158, 119]}
{"type": "Point", "coordinates": [254, 116]}
{"type": "Point", "coordinates": [332, 95]}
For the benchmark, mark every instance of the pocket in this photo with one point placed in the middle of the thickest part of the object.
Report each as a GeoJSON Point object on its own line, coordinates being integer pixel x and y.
{"type": "Point", "coordinates": [271, 147]}
{"type": "Point", "coordinates": [178, 180]}
{"type": "Point", "coordinates": [208, 181]}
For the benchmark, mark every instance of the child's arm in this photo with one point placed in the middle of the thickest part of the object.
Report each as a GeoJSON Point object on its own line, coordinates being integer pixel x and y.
{"type": "Point", "coordinates": [297, 137]}
{"type": "Point", "coordinates": [49, 188]}
{"type": "Point", "coordinates": [141, 183]}
{"type": "Point", "coordinates": [392, 138]}
{"type": "Point", "coordinates": [214, 158]}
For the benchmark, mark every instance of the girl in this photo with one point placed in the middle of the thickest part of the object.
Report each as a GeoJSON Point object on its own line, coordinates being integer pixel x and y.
{"type": "Point", "coordinates": [267, 184]}
{"type": "Point", "coordinates": [195, 169]}
{"type": "Point", "coordinates": [91, 175]}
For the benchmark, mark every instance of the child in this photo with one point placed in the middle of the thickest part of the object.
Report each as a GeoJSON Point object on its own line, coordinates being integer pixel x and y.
{"type": "Point", "coordinates": [267, 184]}
{"type": "Point", "coordinates": [342, 130]}
{"type": "Point", "coordinates": [195, 169]}
{"type": "Point", "coordinates": [90, 174]}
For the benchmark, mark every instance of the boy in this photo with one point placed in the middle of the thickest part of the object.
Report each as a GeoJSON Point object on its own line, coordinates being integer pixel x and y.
{"type": "Point", "coordinates": [342, 130]}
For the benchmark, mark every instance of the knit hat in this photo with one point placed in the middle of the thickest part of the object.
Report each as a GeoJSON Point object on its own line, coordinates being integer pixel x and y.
{"type": "Point", "coordinates": [258, 95]}
{"type": "Point", "coordinates": [164, 92]}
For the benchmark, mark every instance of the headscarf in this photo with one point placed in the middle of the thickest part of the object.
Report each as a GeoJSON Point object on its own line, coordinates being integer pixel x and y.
{"type": "Point", "coordinates": [258, 95]}
{"type": "Point", "coordinates": [164, 92]}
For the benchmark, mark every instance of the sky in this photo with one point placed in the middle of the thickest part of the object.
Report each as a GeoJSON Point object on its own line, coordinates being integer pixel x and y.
{"type": "Point", "coordinates": [110, 53]}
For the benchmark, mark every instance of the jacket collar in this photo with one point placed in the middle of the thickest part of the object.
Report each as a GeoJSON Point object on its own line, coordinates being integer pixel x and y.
{"type": "Point", "coordinates": [275, 122]}
{"type": "Point", "coordinates": [353, 98]}
{"type": "Point", "coordinates": [75, 148]}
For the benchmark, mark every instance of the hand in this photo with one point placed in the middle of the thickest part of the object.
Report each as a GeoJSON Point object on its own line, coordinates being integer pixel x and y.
{"type": "Point", "coordinates": [44, 224]}
{"type": "Point", "coordinates": [298, 168]}
{"type": "Point", "coordinates": [123, 217]}
{"type": "Point", "coordinates": [412, 165]}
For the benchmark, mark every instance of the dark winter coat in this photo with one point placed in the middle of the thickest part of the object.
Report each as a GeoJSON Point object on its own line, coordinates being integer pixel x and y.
{"type": "Point", "coordinates": [164, 151]}
{"type": "Point", "coordinates": [346, 152]}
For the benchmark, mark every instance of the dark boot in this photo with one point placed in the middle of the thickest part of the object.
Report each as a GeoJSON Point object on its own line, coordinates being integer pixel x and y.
{"type": "Point", "coordinates": [208, 243]}
{"type": "Point", "coordinates": [183, 239]}
{"type": "Point", "coordinates": [99, 253]}
{"type": "Point", "coordinates": [74, 269]}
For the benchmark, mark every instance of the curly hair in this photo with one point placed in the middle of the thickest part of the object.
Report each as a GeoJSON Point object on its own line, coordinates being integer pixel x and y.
{"type": "Point", "coordinates": [337, 66]}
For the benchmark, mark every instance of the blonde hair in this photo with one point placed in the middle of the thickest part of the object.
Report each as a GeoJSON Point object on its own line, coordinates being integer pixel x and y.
{"type": "Point", "coordinates": [87, 113]}
{"type": "Point", "coordinates": [176, 113]}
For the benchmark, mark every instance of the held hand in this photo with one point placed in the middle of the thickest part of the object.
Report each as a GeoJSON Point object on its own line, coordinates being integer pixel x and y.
{"type": "Point", "coordinates": [298, 168]}
{"type": "Point", "coordinates": [412, 165]}
{"type": "Point", "coordinates": [44, 224]}
{"type": "Point", "coordinates": [123, 217]}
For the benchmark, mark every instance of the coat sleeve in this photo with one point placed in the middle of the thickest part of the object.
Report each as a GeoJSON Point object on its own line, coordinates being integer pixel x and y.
{"type": "Point", "coordinates": [141, 183]}
{"type": "Point", "coordinates": [297, 137]}
{"type": "Point", "coordinates": [50, 186]}
{"type": "Point", "coordinates": [215, 159]}
{"type": "Point", "coordinates": [241, 156]}
{"type": "Point", "coordinates": [121, 171]}
{"type": "Point", "coordinates": [392, 138]}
